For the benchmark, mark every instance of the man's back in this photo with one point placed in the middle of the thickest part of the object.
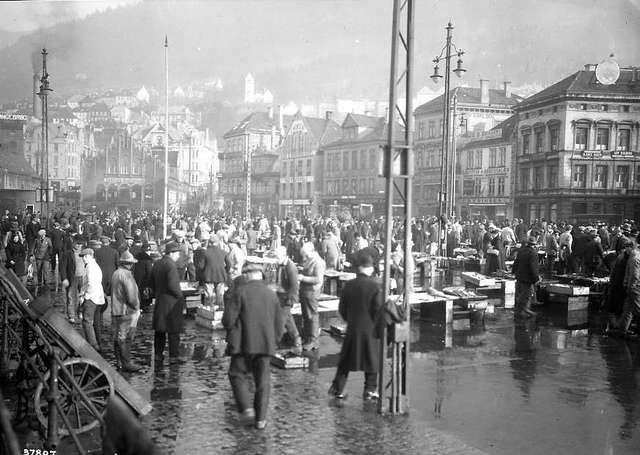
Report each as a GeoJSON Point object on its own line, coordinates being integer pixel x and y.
{"type": "Point", "coordinates": [259, 309]}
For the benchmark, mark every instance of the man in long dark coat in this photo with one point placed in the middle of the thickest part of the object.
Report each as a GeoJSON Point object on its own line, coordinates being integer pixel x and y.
{"type": "Point", "coordinates": [360, 303]}
{"type": "Point", "coordinates": [167, 313]}
{"type": "Point", "coordinates": [525, 268]}
{"type": "Point", "coordinates": [254, 326]}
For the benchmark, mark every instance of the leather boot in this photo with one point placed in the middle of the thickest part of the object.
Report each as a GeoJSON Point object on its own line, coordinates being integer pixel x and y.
{"type": "Point", "coordinates": [125, 355]}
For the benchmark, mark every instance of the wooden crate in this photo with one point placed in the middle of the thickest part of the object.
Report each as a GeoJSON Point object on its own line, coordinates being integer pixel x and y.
{"type": "Point", "coordinates": [572, 303]}
{"type": "Point", "coordinates": [289, 362]}
{"type": "Point", "coordinates": [440, 312]}
{"type": "Point", "coordinates": [567, 289]}
{"type": "Point", "coordinates": [477, 279]}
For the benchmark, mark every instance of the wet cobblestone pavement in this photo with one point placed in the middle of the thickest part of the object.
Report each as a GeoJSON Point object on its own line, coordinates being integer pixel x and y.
{"type": "Point", "coordinates": [530, 388]}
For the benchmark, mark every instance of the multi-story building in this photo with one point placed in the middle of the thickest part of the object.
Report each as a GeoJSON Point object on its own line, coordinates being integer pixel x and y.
{"type": "Point", "coordinates": [482, 108]}
{"type": "Point", "coordinates": [351, 167]}
{"type": "Point", "coordinates": [252, 144]}
{"type": "Point", "coordinates": [485, 187]}
{"type": "Point", "coordinates": [577, 155]}
{"type": "Point", "coordinates": [18, 179]}
{"type": "Point", "coordinates": [300, 165]}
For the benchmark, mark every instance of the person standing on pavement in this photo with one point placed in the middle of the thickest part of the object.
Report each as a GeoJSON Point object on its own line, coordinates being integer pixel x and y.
{"type": "Point", "coordinates": [16, 251]}
{"type": "Point", "coordinates": [525, 268]}
{"type": "Point", "coordinates": [72, 272]}
{"type": "Point", "coordinates": [214, 275]}
{"type": "Point", "coordinates": [142, 275]}
{"type": "Point", "coordinates": [253, 323]}
{"type": "Point", "coordinates": [360, 302]}
{"type": "Point", "coordinates": [311, 282]}
{"type": "Point", "coordinates": [167, 313]}
{"type": "Point", "coordinates": [42, 251]}
{"type": "Point", "coordinates": [288, 293]}
{"type": "Point", "coordinates": [125, 311]}
{"type": "Point", "coordinates": [92, 299]}
{"type": "Point", "coordinates": [631, 285]}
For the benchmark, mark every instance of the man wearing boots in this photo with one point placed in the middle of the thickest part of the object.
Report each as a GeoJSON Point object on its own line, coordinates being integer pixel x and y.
{"type": "Point", "coordinates": [288, 289]}
{"type": "Point", "coordinates": [125, 310]}
{"type": "Point", "coordinates": [525, 268]}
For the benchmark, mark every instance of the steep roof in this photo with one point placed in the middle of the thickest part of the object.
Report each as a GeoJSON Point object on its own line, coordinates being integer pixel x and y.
{"type": "Point", "coordinates": [363, 121]}
{"type": "Point", "coordinates": [471, 95]}
{"type": "Point", "coordinates": [584, 83]}
{"type": "Point", "coordinates": [506, 128]}
{"type": "Point", "coordinates": [257, 121]}
{"type": "Point", "coordinates": [322, 130]}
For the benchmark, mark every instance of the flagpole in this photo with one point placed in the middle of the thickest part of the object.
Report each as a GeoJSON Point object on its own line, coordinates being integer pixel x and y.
{"type": "Point", "coordinates": [165, 214]}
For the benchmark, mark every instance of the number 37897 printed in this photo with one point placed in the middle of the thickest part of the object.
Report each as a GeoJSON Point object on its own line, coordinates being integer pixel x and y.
{"type": "Point", "coordinates": [38, 452]}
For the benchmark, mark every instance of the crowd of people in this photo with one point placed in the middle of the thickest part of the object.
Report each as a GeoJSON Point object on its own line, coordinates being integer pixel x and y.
{"type": "Point", "coordinates": [128, 263]}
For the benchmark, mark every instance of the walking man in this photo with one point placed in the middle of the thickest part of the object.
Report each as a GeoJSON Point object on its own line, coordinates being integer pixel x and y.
{"type": "Point", "coordinates": [167, 313]}
{"type": "Point", "coordinates": [253, 323]}
{"type": "Point", "coordinates": [125, 311]}
{"type": "Point", "coordinates": [360, 303]}
{"type": "Point", "coordinates": [288, 290]}
{"type": "Point", "coordinates": [311, 282]}
{"type": "Point", "coordinates": [525, 268]}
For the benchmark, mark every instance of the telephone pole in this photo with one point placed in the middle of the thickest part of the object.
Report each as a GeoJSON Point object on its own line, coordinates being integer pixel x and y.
{"type": "Point", "coordinates": [45, 192]}
{"type": "Point", "coordinates": [165, 206]}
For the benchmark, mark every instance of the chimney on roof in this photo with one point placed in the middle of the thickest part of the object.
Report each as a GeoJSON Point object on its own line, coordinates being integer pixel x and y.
{"type": "Point", "coordinates": [507, 89]}
{"type": "Point", "coordinates": [270, 112]}
{"type": "Point", "coordinates": [328, 115]}
{"type": "Point", "coordinates": [484, 91]}
{"type": "Point", "coordinates": [590, 67]}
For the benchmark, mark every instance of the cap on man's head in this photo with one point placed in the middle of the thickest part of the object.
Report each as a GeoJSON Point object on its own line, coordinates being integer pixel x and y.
{"type": "Point", "coordinates": [250, 267]}
{"type": "Point", "coordinates": [127, 258]}
{"type": "Point", "coordinates": [86, 251]}
{"type": "Point", "coordinates": [363, 259]}
{"type": "Point", "coordinates": [171, 247]}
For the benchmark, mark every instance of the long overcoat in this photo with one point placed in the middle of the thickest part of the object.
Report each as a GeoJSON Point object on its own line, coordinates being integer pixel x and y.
{"type": "Point", "coordinates": [167, 313]}
{"type": "Point", "coordinates": [360, 303]}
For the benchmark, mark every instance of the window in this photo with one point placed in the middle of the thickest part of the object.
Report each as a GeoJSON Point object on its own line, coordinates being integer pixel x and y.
{"type": "Point", "coordinates": [372, 159]}
{"type": "Point", "coordinates": [502, 157]}
{"type": "Point", "coordinates": [421, 130]}
{"type": "Point", "coordinates": [554, 136]}
{"type": "Point", "coordinates": [345, 161]}
{"type": "Point", "coordinates": [440, 127]}
{"type": "Point", "coordinates": [467, 187]}
{"type": "Point", "coordinates": [622, 176]}
{"type": "Point", "coordinates": [538, 178]}
{"type": "Point", "coordinates": [354, 160]}
{"type": "Point", "coordinates": [478, 159]}
{"type": "Point", "coordinates": [500, 186]}
{"type": "Point", "coordinates": [579, 175]}
{"type": "Point", "coordinates": [582, 134]}
{"type": "Point", "coordinates": [292, 168]}
{"type": "Point", "coordinates": [526, 138]}
{"type": "Point", "coordinates": [492, 186]}
{"type": "Point", "coordinates": [553, 177]}
{"type": "Point", "coordinates": [492, 157]}
{"type": "Point", "coordinates": [625, 108]}
{"type": "Point", "coordinates": [524, 180]}
{"type": "Point", "coordinates": [477, 186]}
{"type": "Point", "coordinates": [299, 190]}
{"type": "Point", "coordinates": [539, 141]}
{"type": "Point", "coordinates": [470, 159]}
{"type": "Point", "coordinates": [299, 168]}
{"type": "Point", "coordinates": [600, 176]}
{"type": "Point", "coordinates": [623, 140]}
{"type": "Point", "coordinates": [583, 107]}
{"type": "Point", "coordinates": [363, 159]}
{"type": "Point", "coordinates": [604, 108]}
{"type": "Point", "coordinates": [553, 211]}
{"type": "Point", "coordinates": [309, 166]}
{"type": "Point", "coordinates": [432, 128]}
{"type": "Point", "coordinates": [602, 139]}
{"type": "Point", "coordinates": [309, 190]}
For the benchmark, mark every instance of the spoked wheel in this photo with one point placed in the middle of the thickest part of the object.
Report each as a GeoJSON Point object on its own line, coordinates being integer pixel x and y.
{"type": "Point", "coordinates": [94, 383]}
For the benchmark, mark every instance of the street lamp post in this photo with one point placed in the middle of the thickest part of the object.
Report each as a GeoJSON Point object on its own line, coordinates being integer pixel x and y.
{"type": "Point", "coordinates": [446, 55]}
{"type": "Point", "coordinates": [44, 93]}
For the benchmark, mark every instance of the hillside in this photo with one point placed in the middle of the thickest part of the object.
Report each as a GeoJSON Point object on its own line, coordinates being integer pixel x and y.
{"type": "Point", "coordinates": [314, 49]}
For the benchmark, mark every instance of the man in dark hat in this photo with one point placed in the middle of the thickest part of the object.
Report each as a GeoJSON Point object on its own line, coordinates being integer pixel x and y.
{"type": "Point", "coordinates": [167, 313]}
{"type": "Point", "coordinates": [254, 326]}
{"type": "Point", "coordinates": [288, 294]}
{"type": "Point", "coordinates": [360, 303]}
{"type": "Point", "coordinates": [525, 268]}
{"type": "Point", "coordinates": [125, 310]}
{"type": "Point", "coordinates": [142, 275]}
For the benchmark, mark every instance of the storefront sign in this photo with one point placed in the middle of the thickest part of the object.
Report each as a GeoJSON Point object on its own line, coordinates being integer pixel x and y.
{"type": "Point", "coordinates": [487, 201]}
{"type": "Point", "coordinates": [486, 171]}
{"type": "Point", "coordinates": [592, 154]}
{"type": "Point", "coordinates": [622, 153]}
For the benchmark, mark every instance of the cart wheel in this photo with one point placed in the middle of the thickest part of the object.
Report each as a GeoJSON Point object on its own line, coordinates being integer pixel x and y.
{"type": "Point", "coordinates": [94, 383]}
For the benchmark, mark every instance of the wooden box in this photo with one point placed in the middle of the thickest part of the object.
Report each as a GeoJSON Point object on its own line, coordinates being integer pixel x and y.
{"type": "Point", "coordinates": [440, 312]}
{"type": "Point", "coordinates": [287, 362]}
{"type": "Point", "coordinates": [477, 279]}
{"type": "Point", "coordinates": [572, 303]}
{"type": "Point", "coordinates": [567, 289]}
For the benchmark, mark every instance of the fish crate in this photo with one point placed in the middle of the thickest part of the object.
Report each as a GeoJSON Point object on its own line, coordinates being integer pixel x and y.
{"type": "Point", "coordinates": [567, 289]}
{"type": "Point", "coordinates": [572, 303]}
{"type": "Point", "coordinates": [477, 279]}
{"type": "Point", "coordinates": [289, 361]}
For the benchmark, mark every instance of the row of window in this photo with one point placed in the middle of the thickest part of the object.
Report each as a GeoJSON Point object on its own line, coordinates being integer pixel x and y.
{"type": "Point", "coordinates": [581, 139]}
{"type": "Point", "coordinates": [600, 178]}
{"type": "Point", "coordinates": [352, 160]}
{"type": "Point", "coordinates": [427, 130]}
{"type": "Point", "coordinates": [539, 136]}
{"type": "Point", "coordinates": [296, 190]}
{"type": "Point", "coordinates": [497, 158]}
{"type": "Point", "coordinates": [539, 181]}
{"type": "Point", "coordinates": [295, 167]}
{"type": "Point", "coordinates": [238, 187]}
{"type": "Point", "coordinates": [493, 186]}
{"type": "Point", "coordinates": [582, 107]}
{"type": "Point", "coordinates": [350, 186]}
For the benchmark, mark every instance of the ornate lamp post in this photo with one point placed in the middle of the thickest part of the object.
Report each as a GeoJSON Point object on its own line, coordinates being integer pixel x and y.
{"type": "Point", "coordinates": [446, 55]}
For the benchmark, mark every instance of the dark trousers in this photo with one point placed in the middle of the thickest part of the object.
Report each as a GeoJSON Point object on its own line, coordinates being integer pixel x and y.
{"type": "Point", "coordinates": [92, 322]}
{"type": "Point", "coordinates": [241, 368]}
{"type": "Point", "coordinates": [310, 316]}
{"type": "Point", "coordinates": [525, 294]}
{"type": "Point", "coordinates": [160, 341]}
{"type": "Point", "coordinates": [342, 373]}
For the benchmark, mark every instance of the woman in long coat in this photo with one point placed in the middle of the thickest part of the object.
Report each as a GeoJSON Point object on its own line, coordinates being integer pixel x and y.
{"type": "Point", "coordinates": [167, 313]}
{"type": "Point", "coordinates": [360, 303]}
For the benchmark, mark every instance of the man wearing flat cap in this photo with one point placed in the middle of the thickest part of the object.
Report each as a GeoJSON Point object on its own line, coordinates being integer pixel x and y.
{"type": "Point", "coordinates": [167, 313]}
{"type": "Point", "coordinates": [254, 326]}
{"type": "Point", "coordinates": [92, 299]}
{"type": "Point", "coordinates": [525, 268]}
{"type": "Point", "coordinates": [360, 303]}
{"type": "Point", "coordinates": [42, 251]}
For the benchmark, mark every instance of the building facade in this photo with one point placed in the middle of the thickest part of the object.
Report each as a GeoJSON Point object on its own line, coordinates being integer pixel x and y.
{"type": "Point", "coordinates": [484, 188]}
{"type": "Point", "coordinates": [577, 156]}
{"type": "Point", "coordinates": [300, 164]}
{"type": "Point", "coordinates": [482, 109]}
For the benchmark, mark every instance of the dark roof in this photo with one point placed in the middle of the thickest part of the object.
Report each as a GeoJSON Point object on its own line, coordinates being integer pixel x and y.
{"type": "Point", "coordinates": [377, 134]}
{"type": "Point", "coordinates": [257, 121]}
{"type": "Point", "coordinates": [470, 95]}
{"type": "Point", "coordinates": [585, 83]}
{"type": "Point", "coordinates": [364, 121]}
{"type": "Point", "coordinates": [322, 130]}
{"type": "Point", "coordinates": [507, 127]}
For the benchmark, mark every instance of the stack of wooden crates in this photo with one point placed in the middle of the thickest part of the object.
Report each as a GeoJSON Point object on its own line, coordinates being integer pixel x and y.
{"type": "Point", "coordinates": [569, 304]}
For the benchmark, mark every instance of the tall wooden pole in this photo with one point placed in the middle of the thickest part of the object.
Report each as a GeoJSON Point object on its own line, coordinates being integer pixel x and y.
{"type": "Point", "coordinates": [165, 207]}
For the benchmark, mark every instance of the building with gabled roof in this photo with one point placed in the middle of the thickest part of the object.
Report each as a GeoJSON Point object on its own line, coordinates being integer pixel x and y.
{"type": "Point", "coordinates": [301, 165]}
{"type": "Point", "coordinates": [578, 149]}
